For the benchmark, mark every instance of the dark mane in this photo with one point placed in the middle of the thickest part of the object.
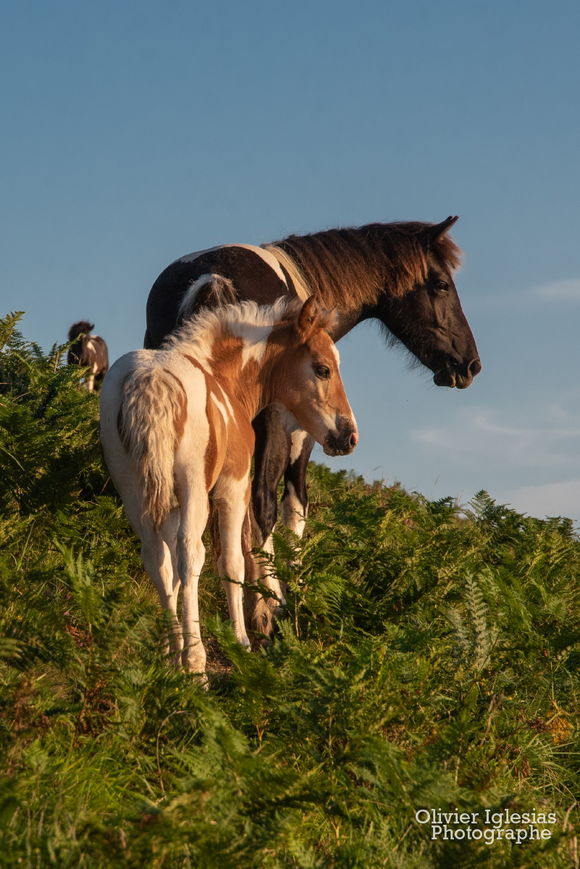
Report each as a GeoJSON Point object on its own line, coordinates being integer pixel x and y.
{"type": "Point", "coordinates": [352, 267]}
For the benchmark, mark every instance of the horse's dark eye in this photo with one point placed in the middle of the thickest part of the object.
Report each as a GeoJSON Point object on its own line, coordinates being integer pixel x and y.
{"type": "Point", "coordinates": [322, 372]}
{"type": "Point", "coordinates": [441, 286]}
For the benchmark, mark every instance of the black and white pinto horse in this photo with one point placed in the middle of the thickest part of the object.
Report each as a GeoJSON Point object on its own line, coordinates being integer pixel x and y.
{"type": "Point", "coordinates": [88, 351]}
{"type": "Point", "coordinates": [398, 273]}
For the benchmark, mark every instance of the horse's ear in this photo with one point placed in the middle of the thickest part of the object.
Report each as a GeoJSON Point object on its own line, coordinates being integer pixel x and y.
{"type": "Point", "coordinates": [308, 318]}
{"type": "Point", "coordinates": [435, 231]}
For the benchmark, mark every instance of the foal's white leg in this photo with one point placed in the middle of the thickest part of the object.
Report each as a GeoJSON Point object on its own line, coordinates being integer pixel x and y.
{"type": "Point", "coordinates": [171, 582]}
{"type": "Point", "coordinates": [231, 503]}
{"type": "Point", "coordinates": [158, 559]}
{"type": "Point", "coordinates": [190, 560]}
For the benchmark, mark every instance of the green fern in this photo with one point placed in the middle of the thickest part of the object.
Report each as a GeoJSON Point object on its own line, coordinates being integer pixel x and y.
{"type": "Point", "coordinates": [427, 660]}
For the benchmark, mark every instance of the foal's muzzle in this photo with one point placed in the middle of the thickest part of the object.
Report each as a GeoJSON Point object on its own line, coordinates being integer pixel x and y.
{"type": "Point", "coordinates": [342, 441]}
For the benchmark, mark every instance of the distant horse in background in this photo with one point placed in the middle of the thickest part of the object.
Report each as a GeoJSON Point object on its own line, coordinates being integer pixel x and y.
{"type": "Point", "coordinates": [88, 351]}
{"type": "Point", "coordinates": [176, 429]}
{"type": "Point", "coordinates": [398, 273]}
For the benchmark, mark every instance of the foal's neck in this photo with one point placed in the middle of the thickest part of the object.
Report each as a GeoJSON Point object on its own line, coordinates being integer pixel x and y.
{"type": "Point", "coordinates": [244, 369]}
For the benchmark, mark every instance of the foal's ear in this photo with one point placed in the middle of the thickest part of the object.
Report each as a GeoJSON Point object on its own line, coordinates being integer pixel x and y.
{"type": "Point", "coordinates": [308, 318]}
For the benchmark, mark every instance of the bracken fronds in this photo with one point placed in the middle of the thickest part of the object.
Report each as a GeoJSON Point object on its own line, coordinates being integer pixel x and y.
{"type": "Point", "coordinates": [428, 660]}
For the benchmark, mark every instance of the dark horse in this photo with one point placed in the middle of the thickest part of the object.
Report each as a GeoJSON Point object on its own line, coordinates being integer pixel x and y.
{"type": "Point", "coordinates": [88, 350]}
{"type": "Point", "coordinates": [397, 273]}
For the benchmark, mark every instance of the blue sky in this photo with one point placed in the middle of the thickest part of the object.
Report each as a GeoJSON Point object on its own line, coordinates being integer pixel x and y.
{"type": "Point", "coordinates": [136, 132]}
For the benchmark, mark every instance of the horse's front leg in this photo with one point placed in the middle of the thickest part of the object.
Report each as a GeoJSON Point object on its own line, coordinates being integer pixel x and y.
{"type": "Point", "coordinates": [294, 504]}
{"type": "Point", "coordinates": [271, 453]}
{"type": "Point", "coordinates": [272, 450]}
{"type": "Point", "coordinates": [283, 448]}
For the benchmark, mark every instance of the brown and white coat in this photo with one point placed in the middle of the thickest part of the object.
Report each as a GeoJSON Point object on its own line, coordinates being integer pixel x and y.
{"type": "Point", "coordinates": [176, 428]}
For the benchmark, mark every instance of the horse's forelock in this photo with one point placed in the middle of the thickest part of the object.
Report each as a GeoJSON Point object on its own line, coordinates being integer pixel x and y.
{"type": "Point", "coordinates": [414, 243]}
{"type": "Point", "coordinates": [449, 252]}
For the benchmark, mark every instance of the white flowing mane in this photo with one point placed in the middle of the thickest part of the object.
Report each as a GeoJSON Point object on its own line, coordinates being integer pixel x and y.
{"type": "Point", "coordinates": [248, 320]}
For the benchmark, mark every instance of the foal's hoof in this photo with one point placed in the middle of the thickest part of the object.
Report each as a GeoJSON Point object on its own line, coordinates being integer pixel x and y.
{"type": "Point", "coordinates": [197, 671]}
{"type": "Point", "coordinates": [202, 680]}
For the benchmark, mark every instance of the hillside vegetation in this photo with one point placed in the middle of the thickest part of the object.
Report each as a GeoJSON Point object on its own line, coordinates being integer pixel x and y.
{"type": "Point", "coordinates": [426, 662]}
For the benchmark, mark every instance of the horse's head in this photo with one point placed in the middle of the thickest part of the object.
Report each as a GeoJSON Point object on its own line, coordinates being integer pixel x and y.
{"type": "Point", "coordinates": [83, 327]}
{"type": "Point", "coordinates": [428, 319]}
{"type": "Point", "coordinates": [312, 386]}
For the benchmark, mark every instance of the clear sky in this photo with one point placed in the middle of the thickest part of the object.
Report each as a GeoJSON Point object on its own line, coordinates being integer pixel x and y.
{"type": "Point", "coordinates": [135, 132]}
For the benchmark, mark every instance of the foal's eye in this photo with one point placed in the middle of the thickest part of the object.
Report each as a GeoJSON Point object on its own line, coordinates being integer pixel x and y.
{"type": "Point", "coordinates": [441, 286]}
{"type": "Point", "coordinates": [322, 372]}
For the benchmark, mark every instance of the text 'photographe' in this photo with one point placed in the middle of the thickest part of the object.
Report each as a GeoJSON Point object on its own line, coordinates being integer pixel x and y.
{"type": "Point", "coordinates": [487, 825]}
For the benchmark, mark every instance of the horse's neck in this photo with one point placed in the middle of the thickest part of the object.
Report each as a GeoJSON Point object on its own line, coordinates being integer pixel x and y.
{"type": "Point", "coordinates": [347, 320]}
{"type": "Point", "coordinates": [345, 268]}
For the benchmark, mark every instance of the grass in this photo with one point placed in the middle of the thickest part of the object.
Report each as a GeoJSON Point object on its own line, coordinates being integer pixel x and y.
{"type": "Point", "coordinates": [427, 661]}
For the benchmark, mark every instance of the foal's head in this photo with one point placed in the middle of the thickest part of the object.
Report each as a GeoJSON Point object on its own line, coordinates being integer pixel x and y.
{"type": "Point", "coordinates": [309, 381]}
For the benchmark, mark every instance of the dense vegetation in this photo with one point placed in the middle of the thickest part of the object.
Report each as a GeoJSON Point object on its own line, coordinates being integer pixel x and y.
{"type": "Point", "coordinates": [426, 663]}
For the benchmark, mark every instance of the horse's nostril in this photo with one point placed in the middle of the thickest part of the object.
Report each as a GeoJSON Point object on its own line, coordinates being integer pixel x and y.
{"type": "Point", "coordinates": [474, 367]}
{"type": "Point", "coordinates": [353, 440]}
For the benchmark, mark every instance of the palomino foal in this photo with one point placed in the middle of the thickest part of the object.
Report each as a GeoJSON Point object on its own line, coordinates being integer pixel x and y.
{"type": "Point", "coordinates": [176, 429]}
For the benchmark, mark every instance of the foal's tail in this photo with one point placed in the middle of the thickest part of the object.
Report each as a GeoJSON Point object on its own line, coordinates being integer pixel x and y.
{"type": "Point", "coordinates": [151, 422]}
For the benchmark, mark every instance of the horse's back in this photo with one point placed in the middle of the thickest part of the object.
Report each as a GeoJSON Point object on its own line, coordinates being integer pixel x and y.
{"type": "Point", "coordinates": [253, 271]}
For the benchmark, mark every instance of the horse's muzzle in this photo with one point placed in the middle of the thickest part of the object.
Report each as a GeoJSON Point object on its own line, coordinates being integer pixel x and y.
{"type": "Point", "coordinates": [342, 441]}
{"type": "Point", "coordinates": [456, 375]}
